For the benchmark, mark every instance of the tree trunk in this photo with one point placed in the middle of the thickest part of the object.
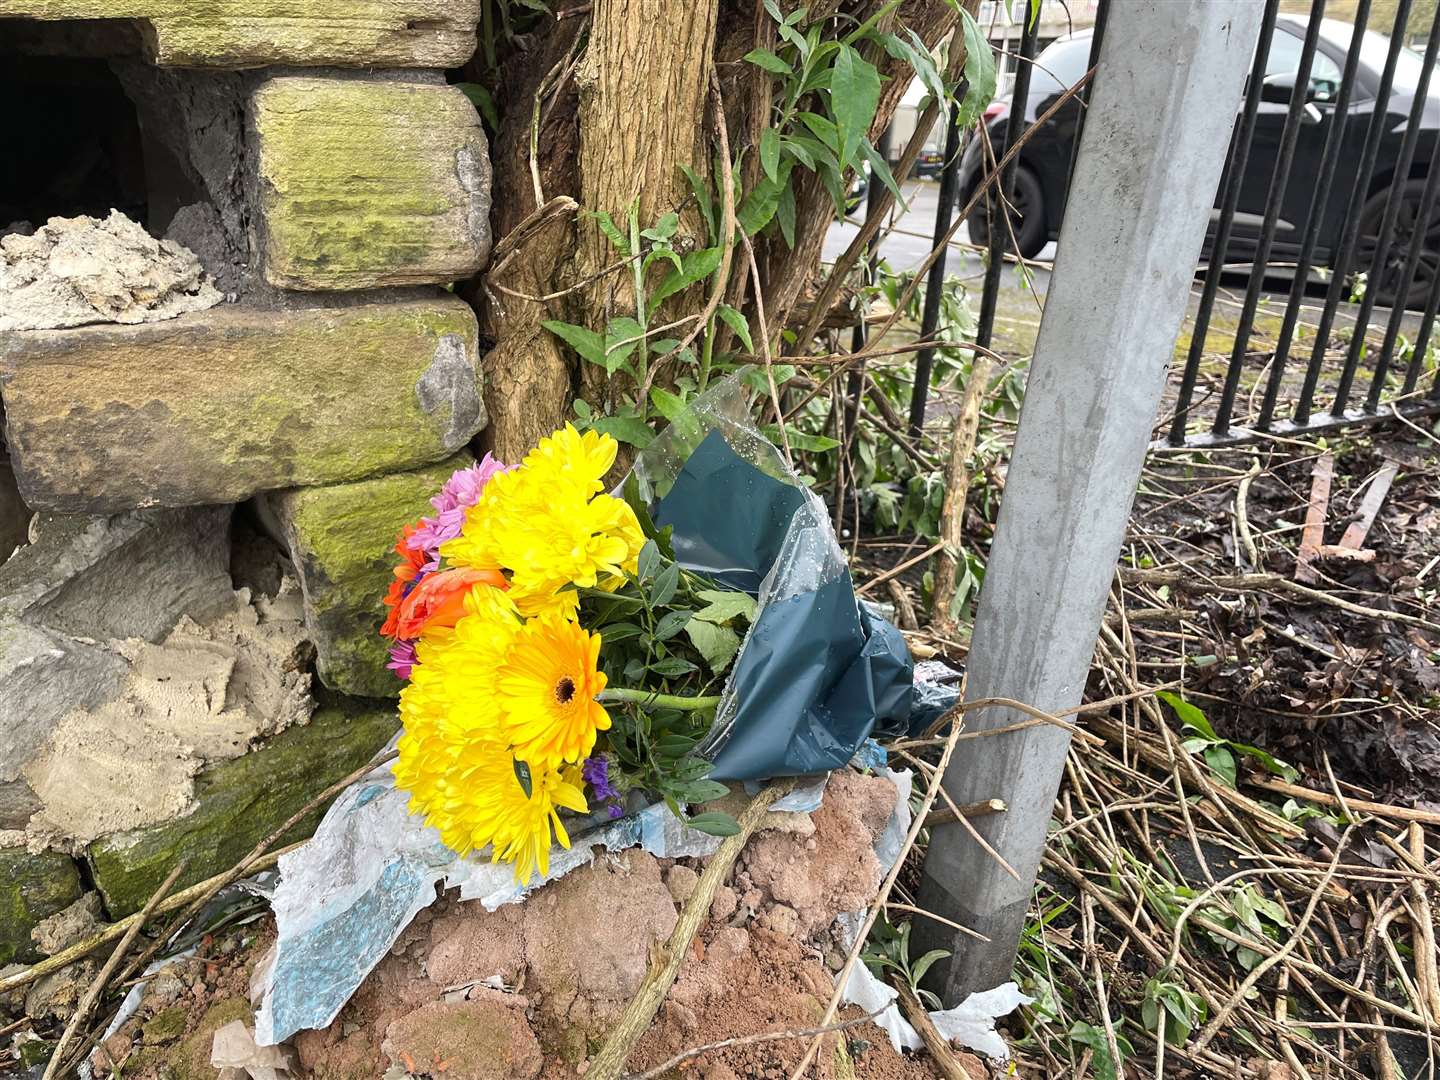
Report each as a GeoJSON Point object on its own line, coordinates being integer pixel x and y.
{"type": "Point", "coordinates": [616, 124]}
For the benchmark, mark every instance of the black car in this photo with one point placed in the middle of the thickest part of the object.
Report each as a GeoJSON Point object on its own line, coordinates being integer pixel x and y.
{"type": "Point", "coordinates": [1045, 158]}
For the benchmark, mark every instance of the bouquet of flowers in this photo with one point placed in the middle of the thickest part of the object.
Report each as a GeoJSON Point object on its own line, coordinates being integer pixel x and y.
{"type": "Point", "coordinates": [570, 652]}
{"type": "Point", "coordinates": [557, 655]}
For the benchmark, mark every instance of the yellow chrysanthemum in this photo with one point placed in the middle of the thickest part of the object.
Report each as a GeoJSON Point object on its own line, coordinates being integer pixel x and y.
{"type": "Point", "coordinates": [544, 523]}
{"type": "Point", "coordinates": [574, 459]}
{"type": "Point", "coordinates": [546, 693]}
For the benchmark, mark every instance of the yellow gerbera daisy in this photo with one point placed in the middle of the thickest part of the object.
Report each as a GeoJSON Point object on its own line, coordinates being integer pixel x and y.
{"type": "Point", "coordinates": [525, 821]}
{"type": "Point", "coordinates": [546, 693]}
{"type": "Point", "coordinates": [508, 806]}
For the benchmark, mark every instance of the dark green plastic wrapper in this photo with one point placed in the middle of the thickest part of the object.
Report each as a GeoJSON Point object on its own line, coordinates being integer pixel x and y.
{"type": "Point", "coordinates": [819, 672]}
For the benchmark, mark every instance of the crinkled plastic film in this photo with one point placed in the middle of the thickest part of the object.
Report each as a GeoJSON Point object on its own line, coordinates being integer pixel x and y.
{"type": "Point", "coordinates": [817, 672]}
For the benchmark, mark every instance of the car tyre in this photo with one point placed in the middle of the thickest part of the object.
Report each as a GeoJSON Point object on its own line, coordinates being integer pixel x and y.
{"type": "Point", "coordinates": [1029, 227]}
{"type": "Point", "coordinates": [1407, 219]}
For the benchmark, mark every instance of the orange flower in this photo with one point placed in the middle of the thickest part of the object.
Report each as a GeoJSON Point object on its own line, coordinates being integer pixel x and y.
{"type": "Point", "coordinates": [439, 600]}
{"type": "Point", "coordinates": [412, 562]}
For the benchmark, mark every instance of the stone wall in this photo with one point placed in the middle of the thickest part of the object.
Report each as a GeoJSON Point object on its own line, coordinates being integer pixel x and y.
{"type": "Point", "coordinates": [215, 425]}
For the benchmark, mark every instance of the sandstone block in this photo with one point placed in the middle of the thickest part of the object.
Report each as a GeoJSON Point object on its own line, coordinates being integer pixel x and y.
{"type": "Point", "coordinates": [477, 1040]}
{"type": "Point", "coordinates": [240, 802]}
{"type": "Point", "coordinates": [255, 33]}
{"type": "Point", "coordinates": [341, 539]}
{"type": "Point", "coordinates": [215, 407]}
{"type": "Point", "coordinates": [369, 182]}
{"type": "Point", "coordinates": [32, 888]}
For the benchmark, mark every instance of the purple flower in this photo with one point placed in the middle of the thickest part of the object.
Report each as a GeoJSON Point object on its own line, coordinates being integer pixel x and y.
{"type": "Point", "coordinates": [402, 658]}
{"type": "Point", "coordinates": [460, 492]}
{"type": "Point", "coordinates": [596, 772]}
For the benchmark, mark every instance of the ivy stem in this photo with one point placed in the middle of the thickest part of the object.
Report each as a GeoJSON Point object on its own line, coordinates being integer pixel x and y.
{"type": "Point", "coordinates": [657, 701]}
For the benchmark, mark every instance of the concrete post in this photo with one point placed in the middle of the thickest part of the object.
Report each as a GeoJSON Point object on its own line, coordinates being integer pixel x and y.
{"type": "Point", "coordinates": [1167, 89]}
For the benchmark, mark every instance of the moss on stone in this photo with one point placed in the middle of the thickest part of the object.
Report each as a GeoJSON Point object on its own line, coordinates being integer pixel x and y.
{"type": "Point", "coordinates": [32, 887]}
{"type": "Point", "coordinates": [190, 1060]}
{"type": "Point", "coordinates": [360, 184]}
{"type": "Point", "coordinates": [166, 1025]}
{"type": "Point", "coordinates": [254, 33]}
{"type": "Point", "coordinates": [216, 407]}
{"type": "Point", "coordinates": [342, 539]}
{"type": "Point", "coordinates": [240, 802]}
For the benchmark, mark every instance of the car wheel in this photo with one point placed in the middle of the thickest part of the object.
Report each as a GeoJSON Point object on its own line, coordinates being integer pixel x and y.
{"type": "Point", "coordinates": [1029, 220]}
{"type": "Point", "coordinates": [1407, 219]}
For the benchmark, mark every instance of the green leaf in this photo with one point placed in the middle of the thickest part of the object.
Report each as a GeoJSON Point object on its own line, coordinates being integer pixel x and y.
{"type": "Point", "coordinates": [921, 966]}
{"type": "Point", "coordinates": [799, 440]}
{"type": "Point", "coordinates": [627, 429]}
{"type": "Point", "coordinates": [483, 101]}
{"type": "Point", "coordinates": [807, 149]}
{"type": "Point", "coordinates": [663, 229]}
{"type": "Point", "coordinates": [648, 561]}
{"type": "Point", "coordinates": [737, 322]}
{"type": "Point", "coordinates": [1189, 714]}
{"type": "Point", "coordinates": [672, 667]}
{"type": "Point", "coordinates": [671, 624]}
{"type": "Point", "coordinates": [695, 266]}
{"type": "Point", "coordinates": [764, 58]}
{"type": "Point", "coordinates": [879, 168]}
{"type": "Point", "coordinates": [854, 95]}
{"type": "Point", "coordinates": [671, 406]}
{"type": "Point", "coordinates": [918, 56]}
{"type": "Point", "coordinates": [702, 790]}
{"type": "Point", "coordinates": [722, 606]}
{"type": "Point", "coordinates": [701, 191]}
{"type": "Point", "coordinates": [587, 343]}
{"type": "Point", "coordinates": [621, 330]}
{"type": "Point", "coordinates": [714, 822]}
{"type": "Point", "coordinates": [755, 379]}
{"type": "Point", "coordinates": [800, 151]}
{"type": "Point", "coordinates": [979, 71]}
{"type": "Point", "coordinates": [1220, 759]}
{"type": "Point", "coordinates": [823, 129]}
{"type": "Point", "coordinates": [785, 215]}
{"type": "Point", "coordinates": [759, 205]}
{"type": "Point", "coordinates": [620, 631]}
{"type": "Point", "coordinates": [1089, 1035]}
{"type": "Point", "coordinates": [717, 644]}
{"type": "Point", "coordinates": [770, 152]}
{"type": "Point", "coordinates": [1268, 761]}
{"type": "Point", "coordinates": [666, 581]}
{"type": "Point", "coordinates": [612, 232]}
{"type": "Point", "coordinates": [794, 37]}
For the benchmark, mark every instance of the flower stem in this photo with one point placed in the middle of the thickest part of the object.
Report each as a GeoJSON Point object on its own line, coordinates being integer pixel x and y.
{"type": "Point", "coordinates": [657, 701]}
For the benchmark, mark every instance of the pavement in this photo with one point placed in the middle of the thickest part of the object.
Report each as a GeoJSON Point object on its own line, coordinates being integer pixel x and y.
{"type": "Point", "coordinates": [910, 240]}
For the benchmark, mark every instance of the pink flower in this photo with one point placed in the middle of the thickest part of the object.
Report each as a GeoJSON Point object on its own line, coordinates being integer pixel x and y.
{"type": "Point", "coordinates": [402, 658]}
{"type": "Point", "coordinates": [460, 492]}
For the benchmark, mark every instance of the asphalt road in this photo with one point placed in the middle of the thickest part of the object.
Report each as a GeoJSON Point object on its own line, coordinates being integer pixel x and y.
{"type": "Point", "coordinates": [911, 240]}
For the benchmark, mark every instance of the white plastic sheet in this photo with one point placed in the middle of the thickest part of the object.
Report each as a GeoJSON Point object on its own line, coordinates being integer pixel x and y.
{"type": "Point", "coordinates": [972, 1022]}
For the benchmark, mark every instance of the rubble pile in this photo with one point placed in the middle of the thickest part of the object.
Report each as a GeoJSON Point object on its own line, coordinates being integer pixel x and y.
{"type": "Point", "coordinates": [530, 990]}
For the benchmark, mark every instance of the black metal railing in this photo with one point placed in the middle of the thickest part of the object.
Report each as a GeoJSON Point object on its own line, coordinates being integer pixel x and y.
{"type": "Point", "coordinates": [1332, 178]}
